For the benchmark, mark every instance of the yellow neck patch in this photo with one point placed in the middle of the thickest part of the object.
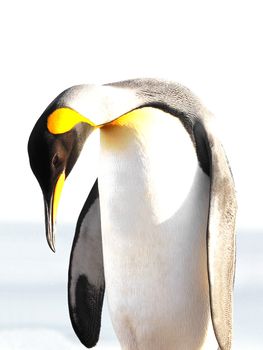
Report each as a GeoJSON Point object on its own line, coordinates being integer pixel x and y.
{"type": "Point", "coordinates": [64, 119]}
{"type": "Point", "coordinates": [137, 118]}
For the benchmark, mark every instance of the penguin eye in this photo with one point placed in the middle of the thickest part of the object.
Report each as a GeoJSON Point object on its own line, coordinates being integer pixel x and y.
{"type": "Point", "coordinates": [56, 161]}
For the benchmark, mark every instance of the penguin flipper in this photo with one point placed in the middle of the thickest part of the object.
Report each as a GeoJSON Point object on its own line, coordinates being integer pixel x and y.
{"type": "Point", "coordinates": [221, 242]}
{"type": "Point", "coordinates": [86, 284]}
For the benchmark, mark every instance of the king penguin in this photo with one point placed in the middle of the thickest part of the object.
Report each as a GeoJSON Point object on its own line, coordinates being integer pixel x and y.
{"type": "Point", "coordinates": [158, 226]}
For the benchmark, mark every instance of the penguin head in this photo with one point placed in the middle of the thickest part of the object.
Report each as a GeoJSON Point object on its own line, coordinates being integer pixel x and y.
{"type": "Point", "coordinates": [54, 146]}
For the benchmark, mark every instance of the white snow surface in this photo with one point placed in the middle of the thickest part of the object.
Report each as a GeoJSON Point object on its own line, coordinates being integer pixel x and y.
{"type": "Point", "coordinates": [41, 339]}
{"type": "Point", "coordinates": [33, 292]}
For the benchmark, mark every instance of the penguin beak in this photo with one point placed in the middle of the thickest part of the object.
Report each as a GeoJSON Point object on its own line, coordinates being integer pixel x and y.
{"type": "Point", "coordinates": [51, 206]}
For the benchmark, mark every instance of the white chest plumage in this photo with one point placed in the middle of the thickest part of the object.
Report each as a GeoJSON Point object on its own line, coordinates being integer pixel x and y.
{"type": "Point", "coordinates": [154, 201]}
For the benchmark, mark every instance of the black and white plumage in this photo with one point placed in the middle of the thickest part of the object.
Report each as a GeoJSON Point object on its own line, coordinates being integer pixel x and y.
{"type": "Point", "coordinates": [159, 222]}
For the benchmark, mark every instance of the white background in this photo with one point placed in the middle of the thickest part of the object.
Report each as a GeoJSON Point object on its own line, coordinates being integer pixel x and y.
{"type": "Point", "coordinates": [213, 47]}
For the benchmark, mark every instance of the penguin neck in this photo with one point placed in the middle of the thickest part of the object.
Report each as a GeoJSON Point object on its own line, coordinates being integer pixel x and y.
{"type": "Point", "coordinates": [148, 164]}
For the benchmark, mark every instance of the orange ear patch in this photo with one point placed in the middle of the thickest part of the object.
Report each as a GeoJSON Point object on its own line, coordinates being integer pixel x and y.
{"type": "Point", "coordinates": [64, 119]}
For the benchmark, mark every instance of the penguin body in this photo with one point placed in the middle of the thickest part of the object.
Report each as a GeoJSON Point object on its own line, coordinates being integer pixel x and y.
{"type": "Point", "coordinates": [154, 220]}
{"type": "Point", "coordinates": [158, 225]}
